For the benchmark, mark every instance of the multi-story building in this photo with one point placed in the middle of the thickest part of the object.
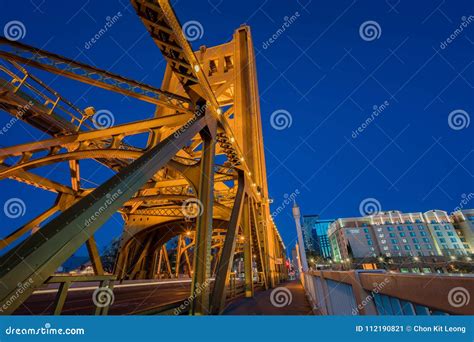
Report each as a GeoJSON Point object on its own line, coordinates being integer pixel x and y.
{"type": "Point", "coordinates": [444, 234]}
{"type": "Point", "coordinates": [395, 234]}
{"type": "Point", "coordinates": [319, 235]}
{"type": "Point", "coordinates": [307, 237]}
{"type": "Point", "coordinates": [463, 221]}
{"type": "Point", "coordinates": [352, 238]}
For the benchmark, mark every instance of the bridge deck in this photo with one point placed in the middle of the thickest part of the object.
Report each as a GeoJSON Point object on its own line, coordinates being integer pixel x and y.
{"type": "Point", "coordinates": [261, 304]}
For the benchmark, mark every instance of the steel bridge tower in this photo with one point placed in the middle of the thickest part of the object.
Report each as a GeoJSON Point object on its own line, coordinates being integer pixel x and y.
{"type": "Point", "coordinates": [199, 182]}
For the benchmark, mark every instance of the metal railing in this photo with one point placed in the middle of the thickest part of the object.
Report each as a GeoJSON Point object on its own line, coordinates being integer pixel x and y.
{"type": "Point", "coordinates": [106, 283]}
{"type": "Point", "coordinates": [23, 83]}
{"type": "Point", "coordinates": [361, 292]}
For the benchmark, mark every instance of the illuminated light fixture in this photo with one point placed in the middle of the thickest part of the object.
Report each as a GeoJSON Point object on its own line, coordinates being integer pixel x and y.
{"type": "Point", "coordinates": [416, 258]}
{"type": "Point", "coordinates": [453, 257]}
{"type": "Point", "coordinates": [380, 259]}
{"type": "Point", "coordinates": [348, 260]}
{"type": "Point", "coordinates": [468, 258]}
{"type": "Point", "coordinates": [197, 68]}
{"type": "Point", "coordinates": [254, 185]}
{"type": "Point", "coordinates": [249, 173]}
{"type": "Point", "coordinates": [242, 159]}
{"type": "Point", "coordinates": [232, 139]}
{"type": "Point", "coordinates": [242, 238]}
{"type": "Point", "coordinates": [188, 232]}
{"type": "Point", "coordinates": [219, 111]}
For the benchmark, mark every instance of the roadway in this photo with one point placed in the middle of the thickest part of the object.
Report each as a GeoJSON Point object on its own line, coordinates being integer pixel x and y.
{"type": "Point", "coordinates": [130, 297]}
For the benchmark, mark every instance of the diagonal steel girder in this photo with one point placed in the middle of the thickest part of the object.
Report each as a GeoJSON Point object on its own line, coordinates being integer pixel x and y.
{"type": "Point", "coordinates": [29, 265]}
{"type": "Point", "coordinates": [78, 71]}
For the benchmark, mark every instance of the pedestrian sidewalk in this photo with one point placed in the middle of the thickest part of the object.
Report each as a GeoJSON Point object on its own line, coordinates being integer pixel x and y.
{"type": "Point", "coordinates": [286, 299]}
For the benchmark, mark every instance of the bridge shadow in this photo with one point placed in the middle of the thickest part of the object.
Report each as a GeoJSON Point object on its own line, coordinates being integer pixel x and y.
{"type": "Point", "coordinates": [287, 299]}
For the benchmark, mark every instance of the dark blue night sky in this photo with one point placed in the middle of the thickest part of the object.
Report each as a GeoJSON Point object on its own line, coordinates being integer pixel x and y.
{"type": "Point", "coordinates": [321, 71]}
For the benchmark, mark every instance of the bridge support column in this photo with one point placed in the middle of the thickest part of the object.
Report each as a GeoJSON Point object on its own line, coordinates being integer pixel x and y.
{"type": "Point", "coordinates": [227, 255]}
{"type": "Point", "coordinates": [202, 253]}
{"type": "Point", "coordinates": [248, 257]}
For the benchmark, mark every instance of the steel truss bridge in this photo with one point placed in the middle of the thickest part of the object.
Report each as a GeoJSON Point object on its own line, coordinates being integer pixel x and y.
{"type": "Point", "coordinates": [207, 107]}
